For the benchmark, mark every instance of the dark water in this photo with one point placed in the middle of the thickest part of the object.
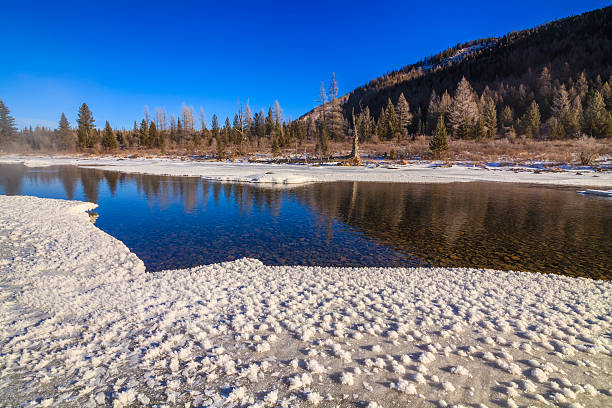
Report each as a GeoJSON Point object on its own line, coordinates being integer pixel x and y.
{"type": "Point", "coordinates": [176, 222]}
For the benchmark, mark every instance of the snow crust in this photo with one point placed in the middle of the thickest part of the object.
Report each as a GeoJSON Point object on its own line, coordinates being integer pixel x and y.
{"type": "Point", "coordinates": [82, 324]}
{"type": "Point", "coordinates": [293, 174]}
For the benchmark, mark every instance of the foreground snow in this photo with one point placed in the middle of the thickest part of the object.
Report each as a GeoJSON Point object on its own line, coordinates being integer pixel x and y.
{"type": "Point", "coordinates": [83, 324]}
{"type": "Point", "coordinates": [422, 172]}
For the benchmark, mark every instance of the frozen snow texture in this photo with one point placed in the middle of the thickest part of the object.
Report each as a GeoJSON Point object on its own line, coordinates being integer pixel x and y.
{"type": "Point", "coordinates": [82, 323]}
{"type": "Point", "coordinates": [291, 174]}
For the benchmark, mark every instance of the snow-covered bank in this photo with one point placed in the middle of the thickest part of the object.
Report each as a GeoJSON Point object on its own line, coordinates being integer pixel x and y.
{"type": "Point", "coordinates": [83, 324]}
{"type": "Point", "coordinates": [423, 172]}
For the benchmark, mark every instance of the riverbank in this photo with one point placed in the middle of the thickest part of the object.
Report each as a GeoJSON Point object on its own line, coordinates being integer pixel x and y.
{"type": "Point", "coordinates": [382, 171]}
{"type": "Point", "coordinates": [83, 324]}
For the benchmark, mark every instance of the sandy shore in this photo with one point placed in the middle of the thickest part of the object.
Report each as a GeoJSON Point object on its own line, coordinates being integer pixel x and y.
{"type": "Point", "coordinates": [424, 172]}
{"type": "Point", "coordinates": [83, 324]}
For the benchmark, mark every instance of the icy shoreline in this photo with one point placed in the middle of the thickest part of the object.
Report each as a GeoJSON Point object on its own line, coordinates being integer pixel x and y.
{"type": "Point", "coordinates": [83, 324]}
{"type": "Point", "coordinates": [422, 172]}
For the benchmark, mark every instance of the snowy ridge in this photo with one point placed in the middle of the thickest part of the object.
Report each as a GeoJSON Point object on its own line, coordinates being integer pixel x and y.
{"type": "Point", "coordinates": [83, 324]}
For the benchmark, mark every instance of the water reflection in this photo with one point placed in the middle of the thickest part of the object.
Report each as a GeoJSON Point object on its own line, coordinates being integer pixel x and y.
{"type": "Point", "coordinates": [175, 222]}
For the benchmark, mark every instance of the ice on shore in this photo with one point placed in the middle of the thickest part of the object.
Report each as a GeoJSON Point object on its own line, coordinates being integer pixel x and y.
{"type": "Point", "coordinates": [83, 324]}
{"type": "Point", "coordinates": [287, 175]}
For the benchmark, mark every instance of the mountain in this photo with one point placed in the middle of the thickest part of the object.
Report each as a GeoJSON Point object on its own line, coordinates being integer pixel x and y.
{"type": "Point", "coordinates": [514, 70]}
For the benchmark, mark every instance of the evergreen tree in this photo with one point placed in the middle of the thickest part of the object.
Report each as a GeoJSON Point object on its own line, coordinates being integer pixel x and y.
{"type": "Point", "coordinates": [433, 111]}
{"type": "Point", "coordinates": [322, 145]}
{"type": "Point", "coordinates": [334, 119]}
{"type": "Point", "coordinates": [179, 133]}
{"type": "Point", "coordinates": [582, 85]}
{"type": "Point", "coordinates": [248, 123]}
{"type": "Point", "coordinates": [269, 122]}
{"type": "Point", "coordinates": [490, 118]}
{"type": "Point", "coordinates": [143, 133]}
{"type": "Point", "coordinates": [109, 141]}
{"type": "Point", "coordinates": [333, 88]}
{"type": "Point", "coordinates": [575, 118]}
{"type": "Point", "coordinates": [86, 132]}
{"type": "Point", "coordinates": [479, 130]}
{"type": "Point", "coordinates": [507, 117]}
{"type": "Point", "coordinates": [365, 125]}
{"type": "Point", "coordinates": [392, 126]}
{"type": "Point", "coordinates": [8, 130]}
{"type": "Point", "coordinates": [260, 126]}
{"type": "Point", "coordinates": [381, 125]}
{"type": "Point", "coordinates": [215, 133]}
{"type": "Point", "coordinates": [596, 116]}
{"type": "Point", "coordinates": [533, 120]}
{"type": "Point", "coordinates": [404, 116]}
{"type": "Point", "coordinates": [64, 134]}
{"type": "Point", "coordinates": [464, 109]}
{"type": "Point", "coordinates": [226, 133]}
{"type": "Point", "coordinates": [153, 140]}
{"type": "Point", "coordinates": [439, 141]}
{"type": "Point", "coordinates": [560, 105]}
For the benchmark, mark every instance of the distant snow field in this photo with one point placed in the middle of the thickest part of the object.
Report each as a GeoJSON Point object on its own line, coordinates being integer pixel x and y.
{"type": "Point", "coordinates": [291, 174]}
{"type": "Point", "coordinates": [82, 324]}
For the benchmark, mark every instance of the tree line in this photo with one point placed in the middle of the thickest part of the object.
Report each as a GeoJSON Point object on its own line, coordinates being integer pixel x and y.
{"type": "Point", "coordinates": [160, 131]}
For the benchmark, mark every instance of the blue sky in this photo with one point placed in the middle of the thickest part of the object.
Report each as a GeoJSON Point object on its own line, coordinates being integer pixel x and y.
{"type": "Point", "coordinates": [120, 56]}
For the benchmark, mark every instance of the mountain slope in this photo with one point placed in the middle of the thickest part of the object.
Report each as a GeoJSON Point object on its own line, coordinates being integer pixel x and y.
{"type": "Point", "coordinates": [509, 66]}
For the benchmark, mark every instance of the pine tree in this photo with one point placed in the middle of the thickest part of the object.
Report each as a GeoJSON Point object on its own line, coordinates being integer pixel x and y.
{"type": "Point", "coordinates": [479, 130]}
{"type": "Point", "coordinates": [226, 133]}
{"type": "Point", "coordinates": [278, 120]}
{"type": "Point", "coordinates": [366, 125]}
{"type": "Point", "coordinates": [439, 141]}
{"type": "Point", "coordinates": [392, 127]}
{"type": "Point", "coordinates": [248, 123]}
{"type": "Point", "coordinates": [463, 111]}
{"type": "Point", "coordinates": [404, 116]}
{"type": "Point", "coordinates": [322, 138]}
{"type": "Point", "coordinates": [143, 133]}
{"type": "Point", "coordinates": [334, 119]}
{"type": "Point", "coordinates": [356, 159]}
{"type": "Point", "coordinates": [215, 133]}
{"type": "Point", "coordinates": [8, 130]}
{"type": "Point", "coordinates": [65, 135]}
{"type": "Point", "coordinates": [533, 120]}
{"type": "Point", "coordinates": [582, 85]}
{"type": "Point", "coordinates": [575, 118]}
{"type": "Point", "coordinates": [109, 141]}
{"type": "Point", "coordinates": [490, 118]}
{"type": "Point", "coordinates": [507, 117]}
{"type": "Point", "coordinates": [269, 123]}
{"type": "Point", "coordinates": [179, 133]}
{"type": "Point", "coordinates": [153, 139]}
{"type": "Point", "coordinates": [433, 111]}
{"type": "Point", "coordinates": [333, 88]}
{"type": "Point", "coordinates": [560, 104]}
{"type": "Point", "coordinates": [381, 125]}
{"type": "Point", "coordinates": [260, 126]}
{"type": "Point", "coordinates": [86, 132]}
{"type": "Point", "coordinates": [596, 116]}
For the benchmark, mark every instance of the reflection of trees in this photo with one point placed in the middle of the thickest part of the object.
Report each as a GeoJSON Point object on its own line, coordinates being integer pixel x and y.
{"type": "Point", "coordinates": [90, 180]}
{"type": "Point", "coordinates": [503, 226]}
{"type": "Point", "coordinates": [69, 176]}
{"type": "Point", "coordinates": [112, 178]}
{"type": "Point", "coordinates": [11, 178]}
{"type": "Point", "coordinates": [474, 224]}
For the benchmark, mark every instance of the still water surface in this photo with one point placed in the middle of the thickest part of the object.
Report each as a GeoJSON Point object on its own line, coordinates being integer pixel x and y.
{"type": "Point", "coordinates": [178, 222]}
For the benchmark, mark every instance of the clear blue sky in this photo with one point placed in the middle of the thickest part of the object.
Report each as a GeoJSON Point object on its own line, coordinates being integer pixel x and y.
{"type": "Point", "coordinates": [120, 56]}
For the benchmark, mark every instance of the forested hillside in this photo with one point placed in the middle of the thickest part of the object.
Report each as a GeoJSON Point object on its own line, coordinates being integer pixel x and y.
{"type": "Point", "coordinates": [552, 81]}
